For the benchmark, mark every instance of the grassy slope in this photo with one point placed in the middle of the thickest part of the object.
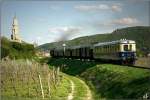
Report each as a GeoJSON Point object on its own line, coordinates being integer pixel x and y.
{"type": "Point", "coordinates": [115, 81]}
{"type": "Point", "coordinates": [107, 80]}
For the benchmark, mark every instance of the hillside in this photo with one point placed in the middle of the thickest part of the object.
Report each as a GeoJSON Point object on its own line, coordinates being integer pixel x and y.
{"type": "Point", "coordinates": [108, 81]}
{"type": "Point", "coordinates": [140, 34]}
{"type": "Point", "coordinates": [16, 50]}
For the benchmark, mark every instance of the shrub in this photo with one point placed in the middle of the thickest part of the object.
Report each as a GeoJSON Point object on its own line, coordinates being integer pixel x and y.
{"type": "Point", "coordinates": [16, 50]}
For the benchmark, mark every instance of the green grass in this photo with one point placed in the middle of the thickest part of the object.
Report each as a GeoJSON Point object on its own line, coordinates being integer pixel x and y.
{"type": "Point", "coordinates": [117, 82]}
{"type": "Point", "coordinates": [107, 80]}
{"type": "Point", "coordinates": [62, 90]}
{"type": "Point", "coordinates": [80, 89]}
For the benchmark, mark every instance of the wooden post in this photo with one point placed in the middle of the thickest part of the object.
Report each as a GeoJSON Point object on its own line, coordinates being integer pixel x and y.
{"type": "Point", "coordinates": [41, 86]}
{"type": "Point", "coordinates": [49, 84]}
{"type": "Point", "coordinates": [13, 83]}
{"type": "Point", "coordinates": [58, 79]}
{"type": "Point", "coordinates": [54, 78]}
{"type": "Point", "coordinates": [28, 83]}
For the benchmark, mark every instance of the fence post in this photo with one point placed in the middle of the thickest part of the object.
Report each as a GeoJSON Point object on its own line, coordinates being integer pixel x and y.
{"type": "Point", "coordinates": [41, 86]}
{"type": "Point", "coordinates": [58, 79]}
{"type": "Point", "coordinates": [49, 84]}
{"type": "Point", "coordinates": [54, 77]}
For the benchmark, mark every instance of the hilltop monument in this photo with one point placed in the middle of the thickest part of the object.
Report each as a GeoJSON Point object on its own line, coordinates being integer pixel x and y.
{"type": "Point", "coordinates": [15, 31]}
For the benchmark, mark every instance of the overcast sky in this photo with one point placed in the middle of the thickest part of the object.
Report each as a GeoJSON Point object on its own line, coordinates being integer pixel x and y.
{"type": "Point", "coordinates": [49, 21]}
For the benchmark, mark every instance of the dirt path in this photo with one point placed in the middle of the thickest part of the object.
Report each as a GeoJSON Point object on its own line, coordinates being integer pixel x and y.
{"type": "Point", "coordinates": [75, 92]}
{"type": "Point", "coordinates": [70, 96]}
{"type": "Point", "coordinates": [89, 95]}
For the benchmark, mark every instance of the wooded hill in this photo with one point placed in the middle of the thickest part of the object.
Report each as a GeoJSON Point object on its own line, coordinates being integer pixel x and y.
{"type": "Point", "coordinates": [140, 34]}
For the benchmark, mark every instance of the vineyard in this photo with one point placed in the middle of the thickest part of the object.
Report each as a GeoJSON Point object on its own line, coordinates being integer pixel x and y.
{"type": "Point", "coordinates": [28, 79]}
{"type": "Point", "coordinates": [24, 79]}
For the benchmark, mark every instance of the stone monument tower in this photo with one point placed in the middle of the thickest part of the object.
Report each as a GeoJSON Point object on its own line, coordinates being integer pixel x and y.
{"type": "Point", "coordinates": [15, 31]}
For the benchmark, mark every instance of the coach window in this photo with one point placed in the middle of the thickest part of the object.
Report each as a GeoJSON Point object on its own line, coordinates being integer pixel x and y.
{"type": "Point", "coordinates": [125, 47]}
{"type": "Point", "coordinates": [105, 48]}
{"type": "Point", "coordinates": [96, 49]}
{"type": "Point", "coordinates": [118, 47]}
{"type": "Point", "coordinates": [100, 49]}
{"type": "Point", "coordinates": [112, 48]}
{"type": "Point", "coordinates": [108, 49]}
{"type": "Point", "coordinates": [130, 47]}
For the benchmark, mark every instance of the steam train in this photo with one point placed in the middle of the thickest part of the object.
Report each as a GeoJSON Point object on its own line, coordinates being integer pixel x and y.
{"type": "Point", "coordinates": [122, 51]}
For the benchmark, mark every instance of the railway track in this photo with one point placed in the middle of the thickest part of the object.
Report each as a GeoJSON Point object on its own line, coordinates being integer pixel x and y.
{"type": "Point", "coordinates": [140, 67]}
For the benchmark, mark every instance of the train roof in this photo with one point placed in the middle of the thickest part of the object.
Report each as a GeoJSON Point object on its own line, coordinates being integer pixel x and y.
{"type": "Point", "coordinates": [71, 47]}
{"type": "Point", "coordinates": [80, 46]}
{"type": "Point", "coordinates": [121, 41]}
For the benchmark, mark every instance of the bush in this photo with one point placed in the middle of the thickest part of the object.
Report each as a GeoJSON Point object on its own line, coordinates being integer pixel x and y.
{"type": "Point", "coordinates": [4, 52]}
{"type": "Point", "coordinates": [16, 50]}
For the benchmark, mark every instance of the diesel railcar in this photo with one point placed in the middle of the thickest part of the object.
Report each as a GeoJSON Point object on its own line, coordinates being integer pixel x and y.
{"type": "Point", "coordinates": [122, 51]}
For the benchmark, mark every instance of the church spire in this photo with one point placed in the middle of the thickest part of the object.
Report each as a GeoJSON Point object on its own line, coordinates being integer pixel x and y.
{"type": "Point", "coordinates": [15, 30]}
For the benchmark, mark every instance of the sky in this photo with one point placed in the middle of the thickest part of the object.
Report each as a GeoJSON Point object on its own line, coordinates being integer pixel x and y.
{"type": "Point", "coordinates": [45, 21]}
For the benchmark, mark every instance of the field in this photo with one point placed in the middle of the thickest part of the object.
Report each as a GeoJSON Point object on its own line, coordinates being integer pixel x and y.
{"type": "Point", "coordinates": [24, 79]}
{"type": "Point", "coordinates": [108, 81]}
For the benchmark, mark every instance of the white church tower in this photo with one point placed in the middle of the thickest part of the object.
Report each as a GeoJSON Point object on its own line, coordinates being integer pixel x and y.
{"type": "Point", "coordinates": [15, 30]}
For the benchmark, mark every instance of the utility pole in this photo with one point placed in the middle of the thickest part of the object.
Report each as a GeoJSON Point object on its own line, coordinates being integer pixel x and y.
{"type": "Point", "coordinates": [64, 45]}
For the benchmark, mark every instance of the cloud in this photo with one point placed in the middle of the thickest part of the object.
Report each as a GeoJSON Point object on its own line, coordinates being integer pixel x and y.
{"type": "Point", "coordinates": [125, 21]}
{"type": "Point", "coordinates": [121, 22]}
{"type": "Point", "coordinates": [114, 7]}
{"type": "Point", "coordinates": [64, 33]}
{"type": "Point", "coordinates": [38, 38]}
{"type": "Point", "coordinates": [92, 7]}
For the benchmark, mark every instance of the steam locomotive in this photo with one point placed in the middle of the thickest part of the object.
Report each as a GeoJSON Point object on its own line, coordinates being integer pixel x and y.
{"type": "Point", "coordinates": [122, 51]}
